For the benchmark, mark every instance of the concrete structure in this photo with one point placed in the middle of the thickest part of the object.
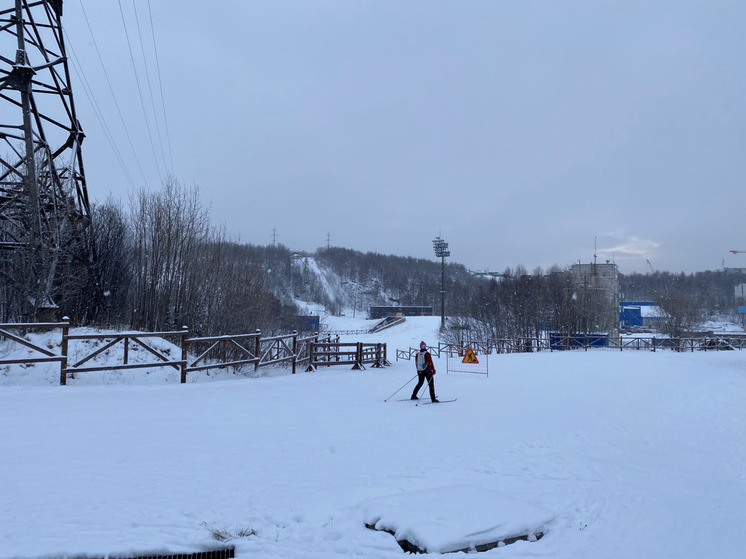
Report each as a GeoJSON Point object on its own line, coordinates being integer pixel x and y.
{"type": "Point", "coordinates": [603, 278]}
{"type": "Point", "coordinates": [741, 302]}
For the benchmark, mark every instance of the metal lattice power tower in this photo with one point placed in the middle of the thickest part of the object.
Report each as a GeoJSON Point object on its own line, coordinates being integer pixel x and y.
{"type": "Point", "coordinates": [44, 207]}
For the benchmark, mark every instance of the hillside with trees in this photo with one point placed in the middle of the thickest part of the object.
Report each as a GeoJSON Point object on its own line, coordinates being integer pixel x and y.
{"type": "Point", "coordinates": [160, 264]}
{"type": "Point", "coordinates": [712, 291]}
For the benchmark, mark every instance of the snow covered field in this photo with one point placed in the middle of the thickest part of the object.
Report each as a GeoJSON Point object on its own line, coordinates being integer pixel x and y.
{"type": "Point", "coordinates": [627, 454]}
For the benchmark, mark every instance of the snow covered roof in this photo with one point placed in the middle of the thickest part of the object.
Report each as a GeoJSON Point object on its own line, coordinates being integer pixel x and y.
{"type": "Point", "coordinates": [652, 312]}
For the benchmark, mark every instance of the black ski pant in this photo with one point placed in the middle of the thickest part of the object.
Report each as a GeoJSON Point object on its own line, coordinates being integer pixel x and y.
{"type": "Point", "coordinates": [422, 375]}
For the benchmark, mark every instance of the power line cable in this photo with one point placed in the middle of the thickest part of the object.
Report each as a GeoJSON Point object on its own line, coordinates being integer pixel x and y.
{"type": "Point", "coordinates": [139, 90]}
{"type": "Point", "coordinates": [150, 87]}
{"type": "Point", "coordinates": [113, 95]}
{"type": "Point", "coordinates": [160, 85]}
{"type": "Point", "coordinates": [78, 67]}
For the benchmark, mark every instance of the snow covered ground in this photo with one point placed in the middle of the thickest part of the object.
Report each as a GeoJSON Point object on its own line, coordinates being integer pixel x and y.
{"type": "Point", "coordinates": [624, 454]}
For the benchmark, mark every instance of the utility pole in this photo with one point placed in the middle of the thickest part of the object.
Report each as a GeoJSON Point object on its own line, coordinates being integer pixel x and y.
{"type": "Point", "coordinates": [21, 75]}
{"type": "Point", "coordinates": [441, 251]}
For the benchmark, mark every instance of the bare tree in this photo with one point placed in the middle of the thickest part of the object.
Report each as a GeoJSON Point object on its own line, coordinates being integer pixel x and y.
{"type": "Point", "coordinates": [113, 270]}
{"type": "Point", "coordinates": [681, 315]}
{"type": "Point", "coordinates": [169, 227]}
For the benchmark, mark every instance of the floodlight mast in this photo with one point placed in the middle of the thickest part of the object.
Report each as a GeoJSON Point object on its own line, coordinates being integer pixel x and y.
{"type": "Point", "coordinates": [441, 251]}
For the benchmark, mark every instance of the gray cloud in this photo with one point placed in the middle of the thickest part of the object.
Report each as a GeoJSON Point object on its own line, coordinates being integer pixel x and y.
{"type": "Point", "coordinates": [523, 131]}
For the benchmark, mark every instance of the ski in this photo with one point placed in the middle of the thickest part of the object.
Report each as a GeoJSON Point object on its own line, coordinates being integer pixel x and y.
{"type": "Point", "coordinates": [438, 402]}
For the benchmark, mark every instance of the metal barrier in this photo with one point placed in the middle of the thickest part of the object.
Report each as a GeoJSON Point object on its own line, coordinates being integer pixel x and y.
{"type": "Point", "coordinates": [219, 553]}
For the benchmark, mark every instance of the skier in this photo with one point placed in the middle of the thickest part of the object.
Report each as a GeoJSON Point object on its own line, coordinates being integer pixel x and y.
{"type": "Point", "coordinates": [425, 370]}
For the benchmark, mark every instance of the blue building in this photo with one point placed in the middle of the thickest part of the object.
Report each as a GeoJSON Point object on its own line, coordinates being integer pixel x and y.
{"type": "Point", "coordinates": [640, 314]}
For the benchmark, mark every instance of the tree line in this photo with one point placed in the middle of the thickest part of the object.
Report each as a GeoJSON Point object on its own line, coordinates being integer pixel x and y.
{"type": "Point", "coordinates": [160, 264]}
{"type": "Point", "coordinates": [521, 305]}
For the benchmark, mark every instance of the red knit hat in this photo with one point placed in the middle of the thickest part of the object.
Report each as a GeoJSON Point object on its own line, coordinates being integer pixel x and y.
{"type": "Point", "coordinates": [423, 345]}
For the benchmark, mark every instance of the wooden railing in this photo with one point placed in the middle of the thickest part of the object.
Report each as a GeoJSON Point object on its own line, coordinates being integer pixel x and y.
{"type": "Point", "coordinates": [219, 352]}
{"type": "Point", "coordinates": [346, 332]}
{"type": "Point", "coordinates": [357, 354]}
{"type": "Point", "coordinates": [15, 332]}
{"type": "Point", "coordinates": [387, 322]}
{"type": "Point", "coordinates": [563, 343]}
{"type": "Point", "coordinates": [128, 339]}
{"type": "Point", "coordinates": [312, 351]}
{"type": "Point", "coordinates": [214, 352]}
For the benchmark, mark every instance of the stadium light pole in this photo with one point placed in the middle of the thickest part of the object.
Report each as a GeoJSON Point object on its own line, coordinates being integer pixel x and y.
{"type": "Point", "coordinates": [441, 251]}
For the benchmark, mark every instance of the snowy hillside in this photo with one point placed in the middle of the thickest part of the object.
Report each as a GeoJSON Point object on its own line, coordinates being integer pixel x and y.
{"type": "Point", "coordinates": [323, 287]}
{"type": "Point", "coordinates": [344, 279]}
{"type": "Point", "coordinates": [610, 454]}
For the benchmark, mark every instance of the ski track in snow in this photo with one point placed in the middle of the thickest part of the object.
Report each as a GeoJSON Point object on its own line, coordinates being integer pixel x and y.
{"type": "Point", "coordinates": [636, 454]}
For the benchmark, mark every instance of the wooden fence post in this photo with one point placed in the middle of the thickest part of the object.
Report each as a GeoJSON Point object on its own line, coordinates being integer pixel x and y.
{"type": "Point", "coordinates": [184, 334]}
{"type": "Point", "coordinates": [312, 352]}
{"type": "Point", "coordinates": [359, 356]}
{"type": "Point", "coordinates": [63, 350]}
{"type": "Point", "coordinates": [295, 348]}
{"type": "Point", "coordinates": [257, 350]}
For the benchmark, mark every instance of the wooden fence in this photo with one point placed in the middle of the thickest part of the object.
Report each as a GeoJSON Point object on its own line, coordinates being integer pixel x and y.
{"type": "Point", "coordinates": [563, 343]}
{"type": "Point", "coordinates": [214, 352]}
{"type": "Point", "coordinates": [15, 333]}
{"type": "Point", "coordinates": [242, 349]}
{"type": "Point", "coordinates": [357, 354]}
{"type": "Point", "coordinates": [128, 340]}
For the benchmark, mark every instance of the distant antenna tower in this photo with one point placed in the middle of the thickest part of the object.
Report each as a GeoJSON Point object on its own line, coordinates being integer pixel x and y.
{"type": "Point", "coordinates": [595, 249]}
{"type": "Point", "coordinates": [328, 240]}
{"type": "Point", "coordinates": [44, 207]}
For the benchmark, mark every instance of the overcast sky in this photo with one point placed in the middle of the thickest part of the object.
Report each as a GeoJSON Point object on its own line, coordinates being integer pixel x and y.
{"type": "Point", "coordinates": [523, 132]}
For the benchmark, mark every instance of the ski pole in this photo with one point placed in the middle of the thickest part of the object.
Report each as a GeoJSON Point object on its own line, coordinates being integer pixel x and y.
{"type": "Point", "coordinates": [402, 386]}
{"type": "Point", "coordinates": [425, 387]}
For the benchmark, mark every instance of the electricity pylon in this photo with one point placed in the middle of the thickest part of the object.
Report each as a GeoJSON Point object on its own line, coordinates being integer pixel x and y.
{"type": "Point", "coordinates": [44, 207]}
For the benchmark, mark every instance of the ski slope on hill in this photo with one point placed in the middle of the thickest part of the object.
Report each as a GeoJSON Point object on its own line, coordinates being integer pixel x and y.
{"type": "Point", "coordinates": [625, 454]}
